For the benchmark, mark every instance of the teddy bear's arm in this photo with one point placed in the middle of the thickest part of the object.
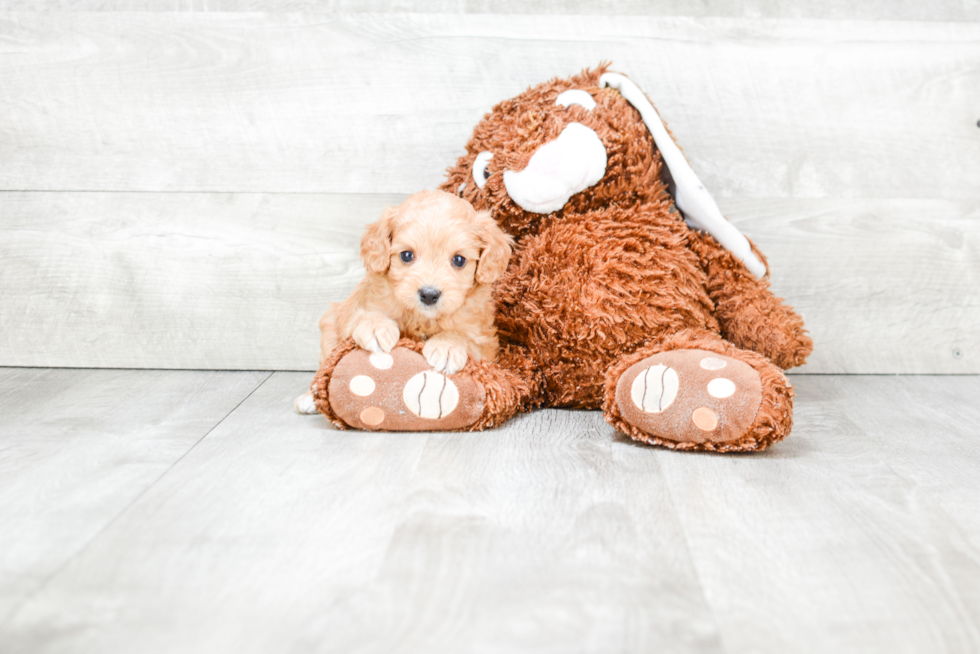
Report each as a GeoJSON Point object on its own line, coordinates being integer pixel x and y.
{"type": "Point", "coordinates": [749, 314]}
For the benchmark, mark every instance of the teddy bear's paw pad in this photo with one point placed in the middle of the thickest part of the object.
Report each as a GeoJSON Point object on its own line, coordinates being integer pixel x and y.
{"type": "Point", "coordinates": [401, 392]}
{"type": "Point", "coordinates": [690, 396]}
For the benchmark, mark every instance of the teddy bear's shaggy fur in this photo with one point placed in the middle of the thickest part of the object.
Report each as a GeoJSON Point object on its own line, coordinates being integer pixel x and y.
{"type": "Point", "coordinates": [601, 287]}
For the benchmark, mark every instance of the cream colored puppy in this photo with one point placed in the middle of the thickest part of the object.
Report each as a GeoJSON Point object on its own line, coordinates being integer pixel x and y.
{"type": "Point", "coordinates": [431, 263]}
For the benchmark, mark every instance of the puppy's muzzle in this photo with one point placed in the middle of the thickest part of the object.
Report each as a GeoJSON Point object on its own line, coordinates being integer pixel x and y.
{"type": "Point", "coordinates": [429, 295]}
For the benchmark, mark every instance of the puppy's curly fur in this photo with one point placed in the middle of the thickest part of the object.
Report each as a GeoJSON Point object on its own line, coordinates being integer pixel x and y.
{"type": "Point", "coordinates": [430, 263]}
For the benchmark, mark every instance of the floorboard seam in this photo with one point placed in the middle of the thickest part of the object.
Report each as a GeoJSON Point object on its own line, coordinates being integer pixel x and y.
{"type": "Point", "coordinates": [61, 568]}
{"type": "Point", "coordinates": [694, 567]}
{"type": "Point", "coordinates": [312, 371]}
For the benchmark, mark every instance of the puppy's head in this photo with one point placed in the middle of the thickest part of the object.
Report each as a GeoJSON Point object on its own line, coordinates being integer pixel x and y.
{"type": "Point", "coordinates": [435, 248]}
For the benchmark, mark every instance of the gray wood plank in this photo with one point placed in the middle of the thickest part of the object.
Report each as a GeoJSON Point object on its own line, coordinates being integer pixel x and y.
{"type": "Point", "coordinates": [278, 533]}
{"type": "Point", "coordinates": [552, 534]}
{"type": "Point", "coordinates": [885, 286]}
{"type": "Point", "coordinates": [944, 10]}
{"type": "Point", "coordinates": [857, 534]}
{"type": "Point", "coordinates": [371, 103]}
{"type": "Point", "coordinates": [237, 281]}
{"type": "Point", "coordinates": [207, 281]}
{"type": "Point", "coordinates": [79, 446]}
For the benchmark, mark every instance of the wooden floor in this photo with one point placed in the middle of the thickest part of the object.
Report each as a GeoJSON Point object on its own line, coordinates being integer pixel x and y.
{"type": "Point", "coordinates": [185, 184]}
{"type": "Point", "coordinates": [186, 511]}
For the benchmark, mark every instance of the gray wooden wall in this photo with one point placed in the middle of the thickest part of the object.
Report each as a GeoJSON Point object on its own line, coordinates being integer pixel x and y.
{"type": "Point", "coordinates": [186, 189]}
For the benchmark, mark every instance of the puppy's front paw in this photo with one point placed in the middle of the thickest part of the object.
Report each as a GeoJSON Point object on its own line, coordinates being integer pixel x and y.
{"type": "Point", "coordinates": [376, 334]}
{"type": "Point", "coordinates": [304, 404]}
{"type": "Point", "coordinates": [444, 355]}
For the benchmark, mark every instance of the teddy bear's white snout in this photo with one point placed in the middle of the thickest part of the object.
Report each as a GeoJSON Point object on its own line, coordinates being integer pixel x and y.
{"type": "Point", "coordinates": [558, 170]}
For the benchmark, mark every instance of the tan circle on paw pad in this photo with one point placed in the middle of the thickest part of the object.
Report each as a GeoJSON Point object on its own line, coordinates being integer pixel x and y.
{"type": "Point", "coordinates": [713, 363]}
{"type": "Point", "coordinates": [381, 361]}
{"type": "Point", "coordinates": [430, 395]}
{"type": "Point", "coordinates": [704, 419]}
{"type": "Point", "coordinates": [372, 416]}
{"type": "Point", "coordinates": [362, 385]}
{"type": "Point", "coordinates": [655, 389]}
{"type": "Point", "coordinates": [721, 387]}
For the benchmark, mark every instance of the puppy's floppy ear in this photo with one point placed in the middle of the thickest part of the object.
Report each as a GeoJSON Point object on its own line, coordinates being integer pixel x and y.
{"type": "Point", "coordinates": [496, 249]}
{"type": "Point", "coordinates": [376, 243]}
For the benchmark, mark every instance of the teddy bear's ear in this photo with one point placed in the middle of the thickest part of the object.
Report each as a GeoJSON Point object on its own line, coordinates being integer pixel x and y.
{"type": "Point", "coordinates": [695, 202]}
{"type": "Point", "coordinates": [376, 243]}
{"type": "Point", "coordinates": [496, 249]}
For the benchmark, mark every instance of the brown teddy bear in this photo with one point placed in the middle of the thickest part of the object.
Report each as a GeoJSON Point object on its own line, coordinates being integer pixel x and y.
{"type": "Point", "coordinates": [627, 290]}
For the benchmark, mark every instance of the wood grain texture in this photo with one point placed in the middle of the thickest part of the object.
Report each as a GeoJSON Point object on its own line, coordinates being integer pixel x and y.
{"type": "Point", "coordinates": [278, 533]}
{"type": "Point", "coordinates": [938, 10]}
{"type": "Point", "coordinates": [237, 281]}
{"type": "Point", "coordinates": [368, 103]}
{"type": "Point", "coordinates": [206, 281]}
{"type": "Point", "coordinates": [885, 286]}
{"type": "Point", "coordinates": [848, 149]}
{"type": "Point", "coordinates": [857, 534]}
{"type": "Point", "coordinates": [552, 534]}
{"type": "Point", "coordinates": [78, 447]}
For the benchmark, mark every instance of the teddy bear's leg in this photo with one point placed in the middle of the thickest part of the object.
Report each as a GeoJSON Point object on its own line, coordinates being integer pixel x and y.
{"type": "Point", "coordinates": [401, 392]}
{"type": "Point", "coordinates": [749, 314]}
{"type": "Point", "coordinates": [695, 391]}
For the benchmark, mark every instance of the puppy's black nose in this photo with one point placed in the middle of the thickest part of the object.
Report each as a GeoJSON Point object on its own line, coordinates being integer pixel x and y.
{"type": "Point", "coordinates": [429, 295]}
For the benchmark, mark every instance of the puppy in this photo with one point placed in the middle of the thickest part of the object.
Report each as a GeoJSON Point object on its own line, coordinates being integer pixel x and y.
{"type": "Point", "coordinates": [431, 263]}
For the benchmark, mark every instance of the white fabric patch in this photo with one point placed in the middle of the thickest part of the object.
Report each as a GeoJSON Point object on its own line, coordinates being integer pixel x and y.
{"type": "Point", "coordinates": [381, 361]}
{"type": "Point", "coordinates": [721, 387]}
{"type": "Point", "coordinates": [362, 385]}
{"type": "Point", "coordinates": [655, 389]}
{"type": "Point", "coordinates": [713, 363]}
{"type": "Point", "coordinates": [480, 167]}
{"type": "Point", "coordinates": [575, 96]}
{"type": "Point", "coordinates": [430, 395]}
{"type": "Point", "coordinates": [695, 202]}
{"type": "Point", "coordinates": [558, 170]}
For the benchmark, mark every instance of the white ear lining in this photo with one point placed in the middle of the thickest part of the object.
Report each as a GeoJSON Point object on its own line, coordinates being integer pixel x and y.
{"type": "Point", "coordinates": [691, 197]}
{"type": "Point", "coordinates": [575, 96]}
{"type": "Point", "coordinates": [479, 167]}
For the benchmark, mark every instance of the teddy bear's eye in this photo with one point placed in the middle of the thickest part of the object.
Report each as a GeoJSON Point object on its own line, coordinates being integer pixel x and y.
{"type": "Point", "coordinates": [459, 261]}
{"type": "Point", "coordinates": [407, 256]}
{"type": "Point", "coordinates": [576, 96]}
{"type": "Point", "coordinates": [480, 172]}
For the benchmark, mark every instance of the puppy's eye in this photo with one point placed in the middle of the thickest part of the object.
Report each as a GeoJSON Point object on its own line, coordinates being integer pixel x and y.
{"type": "Point", "coordinates": [480, 172]}
{"type": "Point", "coordinates": [459, 261]}
{"type": "Point", "coordinates": [407, 256]}
{"type": "Point", "coordinates": [575, 96]}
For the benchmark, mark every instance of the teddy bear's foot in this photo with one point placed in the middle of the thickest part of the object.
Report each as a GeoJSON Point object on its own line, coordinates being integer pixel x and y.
{"type": "Point", "coordinates": [702, 400]}
{"type": "Point", "coordinates": [401, 392]}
